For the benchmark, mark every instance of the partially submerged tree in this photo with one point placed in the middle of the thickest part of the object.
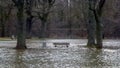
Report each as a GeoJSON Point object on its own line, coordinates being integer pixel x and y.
{"type": "Point", "coordinates": [91, 24]}
{"type": "Point", "coordinates": [97, 13]}
{"type": "Point", "coordinates": [21, 42]}
{"type": "Point", "coordinates": [99, 25]}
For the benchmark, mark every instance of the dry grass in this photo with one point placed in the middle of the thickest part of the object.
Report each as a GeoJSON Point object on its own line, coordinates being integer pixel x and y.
{"type": "Point", "coordinates": [5, 39]}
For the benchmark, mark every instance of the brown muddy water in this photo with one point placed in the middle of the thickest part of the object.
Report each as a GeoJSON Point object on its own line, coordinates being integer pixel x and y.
{"type": "Point", "coordinates": [49, 56]}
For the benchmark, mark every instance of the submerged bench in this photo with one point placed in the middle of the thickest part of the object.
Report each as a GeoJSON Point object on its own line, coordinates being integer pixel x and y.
{"type": "Point", "coordinates": [61, 43]}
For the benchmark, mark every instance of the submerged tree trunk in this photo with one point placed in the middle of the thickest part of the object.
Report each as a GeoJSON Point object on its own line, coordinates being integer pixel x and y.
{"type": "Point", "coordinates": [99, 35]}
{"type": "Point", "coordinates": [21, 42]}
{"type": "Point", "coordinates": [91, 26]}
{"type": "Point", "coordinates": [98, 13]}
{"type": "Point", "coordinates": [95, 12]}
{"type": "Point", "coordinates": [98, 31]}
{"type": "Point", "coordinates": [91, 30]}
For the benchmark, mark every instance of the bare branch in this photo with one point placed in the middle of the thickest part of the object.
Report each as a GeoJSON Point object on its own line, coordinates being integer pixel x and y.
{"type": "Point", "coordinates": [99, 5]}
{"type": "Point", "coordinates": [15, 2]}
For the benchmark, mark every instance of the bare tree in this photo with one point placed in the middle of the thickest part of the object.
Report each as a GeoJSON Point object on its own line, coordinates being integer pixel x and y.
{"type": "Point", "coordinates": [43, 11]}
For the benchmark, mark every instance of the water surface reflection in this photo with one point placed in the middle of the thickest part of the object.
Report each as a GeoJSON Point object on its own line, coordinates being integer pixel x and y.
{"type": "Point", "coordinates": [59, 57]}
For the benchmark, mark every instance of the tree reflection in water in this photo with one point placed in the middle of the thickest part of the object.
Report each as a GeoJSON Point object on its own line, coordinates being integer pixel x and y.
{"type": "Point", "coordinates": [94, 58]}
{"type": "Point", "coordinates": [19, 59]}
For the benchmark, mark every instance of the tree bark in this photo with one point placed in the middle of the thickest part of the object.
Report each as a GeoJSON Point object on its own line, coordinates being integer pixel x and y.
{"type": "Point", "coordinates": [95, 12]}
{"type": "Point", "coordinates": [91, 26]}
{"type": "Point", "coordinates": [2, 28]}
{"type": "Point", "coordinates": [91, 30]}
{"type": "Point", "coordinates": [2, 23]}
{"type": "Point", "coordinates": [98, 13]}
{"type": "Point", "coordinates": [21, 42]}
{"type": "Point", "coordinates": [99, 33]}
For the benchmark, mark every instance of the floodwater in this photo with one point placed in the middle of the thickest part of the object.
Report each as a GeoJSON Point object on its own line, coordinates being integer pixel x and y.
{"type": "Point", "coordinates": [49, 56]}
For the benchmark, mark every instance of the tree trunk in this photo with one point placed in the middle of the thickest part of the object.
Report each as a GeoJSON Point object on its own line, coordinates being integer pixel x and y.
{"type": "Point", "coordinates": [43, 29]}
{"type": "Point", "coordinates": [28, 26]}
{"type": "Point", "coordinates": [97, 13]}
{"type": "Point", "coordinates": [99, 35]}
{"type": "Point", "coordinates": [91, 28]}
{"type": "Point", "coordinates": [96, 9]}
{"type": "Point", "coordinates": [21, 42]}
{"type": "Point", "coordinates": [3, 29]}
{"type": "Point", "coordinates": [70, 29]}
{"type": "Point", "coordinates": [98, 31]}
{"type": "Point", "coordinates": [2, 24]}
